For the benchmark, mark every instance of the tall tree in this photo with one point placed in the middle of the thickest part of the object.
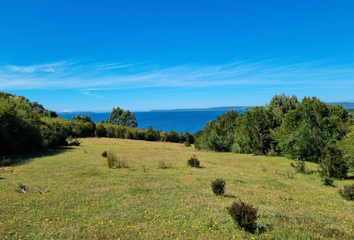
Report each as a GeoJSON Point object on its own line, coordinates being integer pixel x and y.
{"type": "Point", "coordinates": [120, 117]}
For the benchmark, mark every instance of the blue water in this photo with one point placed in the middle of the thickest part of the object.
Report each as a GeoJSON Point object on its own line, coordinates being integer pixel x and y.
{"type": "Point", "coordinates": [188, 121]}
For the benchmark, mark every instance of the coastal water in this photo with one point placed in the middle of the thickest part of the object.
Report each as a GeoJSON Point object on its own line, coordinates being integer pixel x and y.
{"type": "Point", "coordinates": [180, 121]}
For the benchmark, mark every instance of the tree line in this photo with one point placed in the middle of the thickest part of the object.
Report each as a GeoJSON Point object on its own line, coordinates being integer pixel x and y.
{"type": "Point", "coordinates": [27, 126]}
{"type": "Point", "coordinates": [306, 131]}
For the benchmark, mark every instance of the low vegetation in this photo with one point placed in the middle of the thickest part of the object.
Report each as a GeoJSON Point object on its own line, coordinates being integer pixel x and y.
{"type": "Point", "coordinates": [218, 186]}
{"type": "Point", "coordinates": [194, 161]}
{"type": "Point", "coordinates": [306, 131]}
{"type": "Point", "coordinates": [27, 126]}
{"type": "Point", "coordinates": [71, 194]}
{"type": "Point", "coordinates": [245, 215]}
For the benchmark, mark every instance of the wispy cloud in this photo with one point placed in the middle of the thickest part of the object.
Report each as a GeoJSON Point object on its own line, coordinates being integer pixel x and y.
{"type": "Point", "coordinates": [88, 93]}
{"type": "Point", "coordinates": [88, 77]}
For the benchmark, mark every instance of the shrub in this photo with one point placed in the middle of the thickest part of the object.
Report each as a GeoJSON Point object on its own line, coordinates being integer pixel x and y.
{"type": "Point", "coordinates": [244, 215]}
{"type": "Point", "coordinates": [300, 166]}
{"type": "Point", "coordinates": [163, 165]}
{"type": "Point", "coordinates": [115, 162]}
{"type": "Point", "coordinates": [194, 162]}
{"type": "Point", "coordinates": [104, 154]}
{"type": "Point", "coordinates": [347, 192]}
{"type": "Point", "coordinates": [73, 141]}
{"type": "Point", "coordinates": [5, 162]}
{"type": "Point", "coordinates": [218, 186]}
{"type": "Point", "coordinates": [332, 163]}
{"type": "Point", "coordinates": [328, 181]}
{"type": "Point", "coordinates": [111, 159]}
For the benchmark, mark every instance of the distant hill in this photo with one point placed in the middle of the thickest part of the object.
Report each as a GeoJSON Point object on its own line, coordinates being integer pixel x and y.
{"type": "Point", "coordinates": [76, 112]}
{"type": "Point", "coordinates": [205, 109]}
{"type": "Point", "coordinates": [345, 104]}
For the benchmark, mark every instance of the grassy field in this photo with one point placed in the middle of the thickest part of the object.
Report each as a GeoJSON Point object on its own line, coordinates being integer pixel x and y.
{"type": "Point", "coordinates": [87, 200]}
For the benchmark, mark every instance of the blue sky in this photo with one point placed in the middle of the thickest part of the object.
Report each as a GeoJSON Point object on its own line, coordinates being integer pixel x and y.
{"type": "Point", "coordinates": [143, 55]}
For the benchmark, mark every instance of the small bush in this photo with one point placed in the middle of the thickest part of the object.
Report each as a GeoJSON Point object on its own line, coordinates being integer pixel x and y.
{"type": "Point", "coordinates": [104, 154]}
{"type": "Point", "coordinates": [332, 163]}
{"type": "Point", "coordinates": [5, 162]}
{"type": "Point", "coordinates": [111, 159]}
{"type": "Point", "coordinates": [194, 162]}
{"type": "Point", "coordinates": [73, 141]}
{"type": "Point", "coordinates": [328, 182]}
{"type": "Point", "coordinates": [347, 192]}
{"type": "Point", "coordinates": [218, 186]}
{"type": "Point", "coordinates": [163, 165]}
{"type": "Point", "coordinates": [115, 162]}
{"type": "Point", "coordinates": [244, 215]}
{"type": "Point", "coordinates": [299, 166]}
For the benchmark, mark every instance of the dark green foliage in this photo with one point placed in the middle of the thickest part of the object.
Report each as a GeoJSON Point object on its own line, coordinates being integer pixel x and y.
{"type": "Point", "coordinates": [218, 186]}
{"type": "Point", "coordinates": [332, 163]}
{"type": "Point", "coordinates": [300, 166]}
{"type": "Point", "coordinates": [50, 138]}
{"type": "Point", "coordinates": [347, 148]}
{"type": "Point", "coordinates": [218, 135]}
{"type": "Point", "coordinates": [104, 154]}
{"type": "Point", "coordinates": [328, 181]}
{"type": "Point", "coordinates": [347, 192]}
{"type": "Point", "coordinates": [254, 131]}
{"type": "Point", "coordinates": [307, 130]}
{"type": "Point", "coordinates": [20, 126]}
{"type": "Point", "coordinates": [194, 161]}
{"type": "Point", "coordinates": [82, 126]}
{"type": "Point", "coordinates": [245, 215]}
{"type": "Point", "coordinates": [5, 162]}
{"type": "Point", "coordinates": [100, 130]}
{"type": "Point", "coordinates": [351, 114]}
{"type": "Point", "coordinates": [281, 105]}
{"type": "Point", "coordinates": [120, 117]}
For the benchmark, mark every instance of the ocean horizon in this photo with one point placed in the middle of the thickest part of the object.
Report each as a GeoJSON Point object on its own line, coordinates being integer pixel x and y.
{"type": "Point", "coordinates": [166, 121]}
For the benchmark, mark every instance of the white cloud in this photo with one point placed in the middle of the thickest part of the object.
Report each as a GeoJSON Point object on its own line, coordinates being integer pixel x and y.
{"type": "Point", "coordinates": [88, 77]}
{"type": "Point", "coordinates": [88, 93]}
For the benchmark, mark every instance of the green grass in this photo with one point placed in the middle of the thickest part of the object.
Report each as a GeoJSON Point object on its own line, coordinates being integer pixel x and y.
{"type": "Point", "coordinates": [87, 200]}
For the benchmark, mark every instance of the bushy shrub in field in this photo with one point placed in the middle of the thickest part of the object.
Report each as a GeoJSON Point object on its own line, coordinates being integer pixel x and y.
{"type": "Point", "coordinates": [332, 163]}
{"type": "Point", "coordinates": [328, 181]}
{"type": "Point", "coordinates": [218, 186]}
{"type": "Point", "coordinates": [300, 166]}
{"type": "Point", "coordinates": [245, 215]}
{"type": "Point", "coordinates": [194, 161]}
{"type": "Point", "coordinates": [347, 192]}
{"type": "Point", "coordinates": [162, 164]}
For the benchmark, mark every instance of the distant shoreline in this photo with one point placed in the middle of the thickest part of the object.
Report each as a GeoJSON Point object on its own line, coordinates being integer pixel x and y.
{"type": "Point", "coordinates": [206, 109]}
{"type": "Point", "coordinates": [237, 108]}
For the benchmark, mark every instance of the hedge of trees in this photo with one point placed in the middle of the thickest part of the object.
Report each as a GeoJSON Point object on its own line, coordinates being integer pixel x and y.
{"type": "Point", "coordinates": [309, 130]}
{"type": "Point", "coordinates": [27, 126]}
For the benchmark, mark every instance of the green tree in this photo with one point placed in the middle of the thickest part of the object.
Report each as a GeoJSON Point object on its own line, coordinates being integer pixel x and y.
{"type": "Point", "coordinates": [306, 131]}
{"type": "Point", "coordinates": [218, 135]}
{"type": "Point", "coordinates": [253, 131]}
{"type": "Point", "coordinates": [120, 117]}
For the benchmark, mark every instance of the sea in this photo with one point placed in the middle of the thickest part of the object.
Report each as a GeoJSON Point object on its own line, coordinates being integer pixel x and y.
{"type": "Point", "coordinates": [180, 121]}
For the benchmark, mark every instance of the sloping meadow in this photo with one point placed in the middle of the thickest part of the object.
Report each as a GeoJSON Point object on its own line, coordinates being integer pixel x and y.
{"type": "Point", "coordinates": [72, 194]}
